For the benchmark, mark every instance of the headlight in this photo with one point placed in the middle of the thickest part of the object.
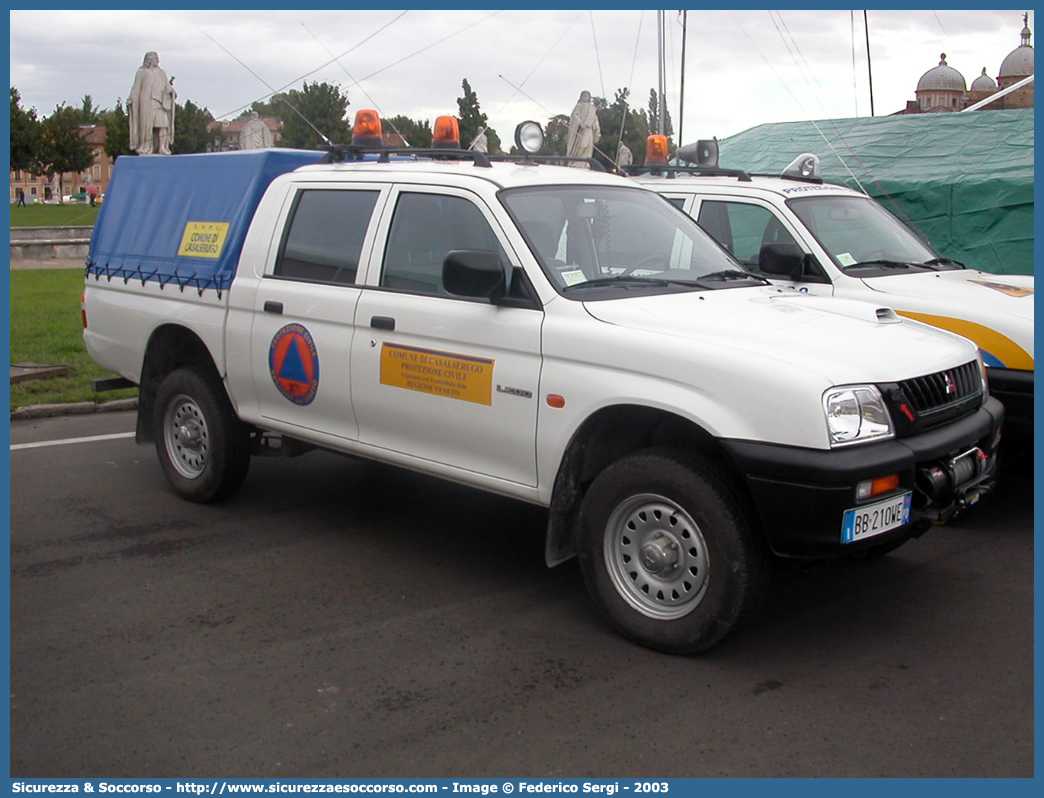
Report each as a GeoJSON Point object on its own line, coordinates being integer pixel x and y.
{"type": "Point", "coordinates": [983, 373]}
{"type": "Point", "coordinates": [856, 414]}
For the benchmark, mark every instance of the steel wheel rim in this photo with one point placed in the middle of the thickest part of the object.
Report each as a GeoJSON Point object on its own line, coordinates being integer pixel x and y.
{"type": "Point", "coordinates": [186, 436]}
{"type": "Point", "coordinates": [656, 557]}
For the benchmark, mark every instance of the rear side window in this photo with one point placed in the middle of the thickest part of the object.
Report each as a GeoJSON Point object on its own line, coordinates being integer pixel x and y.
{"type": "Point", "coordinates": [324, 238]}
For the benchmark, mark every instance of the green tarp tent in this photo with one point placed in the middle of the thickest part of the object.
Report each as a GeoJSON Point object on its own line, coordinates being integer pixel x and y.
{"type": "Point", "coordinates": [964, 180]}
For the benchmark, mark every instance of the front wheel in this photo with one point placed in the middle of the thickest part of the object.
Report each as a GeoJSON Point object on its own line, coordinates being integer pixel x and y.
{"type": "Point", "coordinates": [668, 551]}
{"type": "Point", "coordinates": [203, 447]}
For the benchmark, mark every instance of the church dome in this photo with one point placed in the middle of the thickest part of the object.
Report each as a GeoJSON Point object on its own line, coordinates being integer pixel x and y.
{"type": "Point", "coordinates": [942, 78]}
{"type": "Point", "coordinates": [1019, 62]}
{"type": "Point", "coordinates": [984, 82]}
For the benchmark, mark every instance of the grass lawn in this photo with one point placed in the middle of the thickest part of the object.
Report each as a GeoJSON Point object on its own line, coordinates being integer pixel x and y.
{"type": "Point", "coordinates": [54, 215]}
{"type": "Point", "coordinates": [46, 328]}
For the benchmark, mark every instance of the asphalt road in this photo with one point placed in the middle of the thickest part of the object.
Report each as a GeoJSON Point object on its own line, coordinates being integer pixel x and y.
{"type": "Point", "coordinates": [342, 619]}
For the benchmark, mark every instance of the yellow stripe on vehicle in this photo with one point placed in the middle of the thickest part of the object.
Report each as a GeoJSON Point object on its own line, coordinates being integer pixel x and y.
{"type": "Point", "coordinates": [1000, 346]}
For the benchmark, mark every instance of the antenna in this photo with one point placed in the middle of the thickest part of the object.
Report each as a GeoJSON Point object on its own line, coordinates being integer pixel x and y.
{"type": "Point", "coordinates": [252, 72]}
{"type": "Point", "coordinates": [869, 70]}
{"type": "Point", "coordinates": [351, 77]}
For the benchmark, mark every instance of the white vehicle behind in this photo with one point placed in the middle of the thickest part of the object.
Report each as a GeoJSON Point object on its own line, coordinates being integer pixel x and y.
{"type": "Point", "coordinates": [816, 238]}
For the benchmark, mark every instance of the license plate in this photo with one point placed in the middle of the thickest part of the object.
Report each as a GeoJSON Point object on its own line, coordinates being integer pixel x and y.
{"type": "Point", "coordinates": [865, 522]}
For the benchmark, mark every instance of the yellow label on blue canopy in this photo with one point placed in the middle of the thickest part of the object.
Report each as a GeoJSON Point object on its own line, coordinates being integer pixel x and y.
{"type": "Point", "coordinates": [203, 239]}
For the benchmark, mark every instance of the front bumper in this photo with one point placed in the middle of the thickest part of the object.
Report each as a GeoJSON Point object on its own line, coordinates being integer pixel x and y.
{"type": "Point", "coordinates": [802, 494]}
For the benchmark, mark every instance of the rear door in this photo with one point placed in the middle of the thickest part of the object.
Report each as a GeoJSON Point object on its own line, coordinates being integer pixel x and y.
{"type": "Point", "coordinates": [304, 310]}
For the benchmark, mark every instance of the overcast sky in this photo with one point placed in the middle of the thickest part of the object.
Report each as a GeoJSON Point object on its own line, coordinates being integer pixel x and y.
{"type": "Point", "coordinates": [743, 68]}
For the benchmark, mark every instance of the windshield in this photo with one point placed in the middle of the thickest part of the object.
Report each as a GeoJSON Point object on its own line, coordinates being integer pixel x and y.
{"type": "Point", "coordinates": [863, 237]}
{"type": "Point", "coordinates": [600, 242]}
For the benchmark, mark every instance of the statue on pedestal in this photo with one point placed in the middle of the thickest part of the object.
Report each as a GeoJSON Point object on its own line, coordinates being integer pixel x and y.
{"type": "Point", "coordinates": [150, 109]}
{"type": "Point", "coordinates": [624, 157]}
{"type": "Point", "coordinates": [583, 128]}
{"type": "Point", "coordinates": [255, 134]}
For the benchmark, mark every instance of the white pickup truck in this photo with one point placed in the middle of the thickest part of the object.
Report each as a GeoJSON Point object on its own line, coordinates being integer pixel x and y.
{"type": "Point", "coordinates": [814, 237]}
{"type": "Point", "coordinates": [553, 334]}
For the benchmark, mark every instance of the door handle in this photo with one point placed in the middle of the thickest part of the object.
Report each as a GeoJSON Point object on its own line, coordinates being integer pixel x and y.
{"type": "Point", "coordinates": [273, 307]}
{"type": "Point", "coordinates": [382, 322]}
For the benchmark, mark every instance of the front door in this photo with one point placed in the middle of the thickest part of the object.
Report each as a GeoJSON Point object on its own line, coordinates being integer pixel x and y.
{"type": "Point", "coordinates": [744, 227]}
{"type": "Point", "coordinates": [437, 377]}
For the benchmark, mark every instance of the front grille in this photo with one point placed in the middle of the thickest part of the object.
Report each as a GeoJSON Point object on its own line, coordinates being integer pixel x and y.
{"type": "Point", "coordinates": [924, 403]}
{"type": "Point", "coordinates": [944, 388]}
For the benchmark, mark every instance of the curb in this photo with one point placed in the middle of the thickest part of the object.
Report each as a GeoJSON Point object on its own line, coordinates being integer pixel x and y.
{"type": "Point", "coordinates": [73, 409]}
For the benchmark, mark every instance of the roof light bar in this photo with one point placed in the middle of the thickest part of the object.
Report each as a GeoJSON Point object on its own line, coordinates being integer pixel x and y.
{"type": "Point", "coordinates": [529, 137]}
{"type": "Point", "coordinates": [446, 133]}
{"type": "Point", "coordinates": [367, 129]}
{"type": "Point", "coordinates": [656, 149]}
{"type": "Point", "coordinates": [806, 167]}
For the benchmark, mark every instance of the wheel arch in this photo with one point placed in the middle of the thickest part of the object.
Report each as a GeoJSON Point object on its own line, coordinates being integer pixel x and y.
{"type": "Point", "coordinates": [170, 347]}
{"type": "Point", "coordinates": [604, 437]}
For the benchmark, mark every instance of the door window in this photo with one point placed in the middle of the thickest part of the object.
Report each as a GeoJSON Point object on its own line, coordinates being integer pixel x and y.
{"type": "Point", "coordinates": [324, 238]}
{"type": "Point", "coordinates": [743, 228]}
{"type": "Point", "coordinates": [424, 229]}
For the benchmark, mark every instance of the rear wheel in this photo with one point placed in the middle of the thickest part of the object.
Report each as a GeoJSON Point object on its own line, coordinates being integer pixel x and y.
{"type": "Point", "coordinates": [202, 445]}
{"type": "Point", "coordinates": [668, 551]}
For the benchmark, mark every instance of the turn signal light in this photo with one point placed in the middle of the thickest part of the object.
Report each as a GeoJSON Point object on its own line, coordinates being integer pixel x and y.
{"type": "Point", "coordinates": [83, 308]}
{"type": "Point", "coordinates": [446, 133]}
{"type": "Point", "coordinates": [656, 149]}
{"type": "Point", "coordinates": [875, 487]}
{"type": "Point", "coordinates": [367, 129]}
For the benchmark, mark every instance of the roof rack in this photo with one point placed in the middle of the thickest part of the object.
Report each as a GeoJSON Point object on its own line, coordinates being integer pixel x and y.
{"type": "Point", "coordinates": [670, 171]}
{"type": "Point", "coordinates": [550, 159]}
{"type": "Point", "coordinates": [344, 153]}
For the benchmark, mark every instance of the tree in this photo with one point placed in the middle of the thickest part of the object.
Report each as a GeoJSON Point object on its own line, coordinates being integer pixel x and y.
{"type": "Point", "coordinates": [117, 132]}
{"type": "Point", "coordinates": [620, 123]}
{"type": "Point", "coordinates": [90, 114]}
{"type": "Point", "coordinates": [417, 133]}
{"type": "Point", "coordinates": [556, 135]}
{"type": "Point", "coordinates": [62, 145]}
{"type": "Point", "coordinates": [25, 135]}
{"type": "Point", "coordinates": [323, 106]}
{"type": "Point", "coordinates": [274, 108]}
{"type": "Point", "coordinates": [654, 116]}
{"type": "Point", "coordinates": [472, 121]}
{"type": "Point", "coordinates": [190, 129]}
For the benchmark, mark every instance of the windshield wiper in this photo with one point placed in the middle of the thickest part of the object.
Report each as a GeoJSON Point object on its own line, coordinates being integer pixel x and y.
{"type": "Point", "coordinates": [882, 264]}
{"type": "Point", "coordinates": [734, 274]}
{"type": "Point", "coordinates": [618, 279]}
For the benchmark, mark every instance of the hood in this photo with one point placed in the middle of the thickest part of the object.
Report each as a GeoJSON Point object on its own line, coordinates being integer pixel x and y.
{"type": "Point", "coordinates": [993, 310]}
{"type": "Point", "coordinates": [993, 293]}
{"type": "Point", "coordinates": [844, 341]}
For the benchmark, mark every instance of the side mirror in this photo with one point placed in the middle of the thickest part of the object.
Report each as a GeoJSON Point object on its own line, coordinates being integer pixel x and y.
{"type": "Point", "coordinates": [780, 259]}
{"type": "Point", "coordinates": [475, 273]}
